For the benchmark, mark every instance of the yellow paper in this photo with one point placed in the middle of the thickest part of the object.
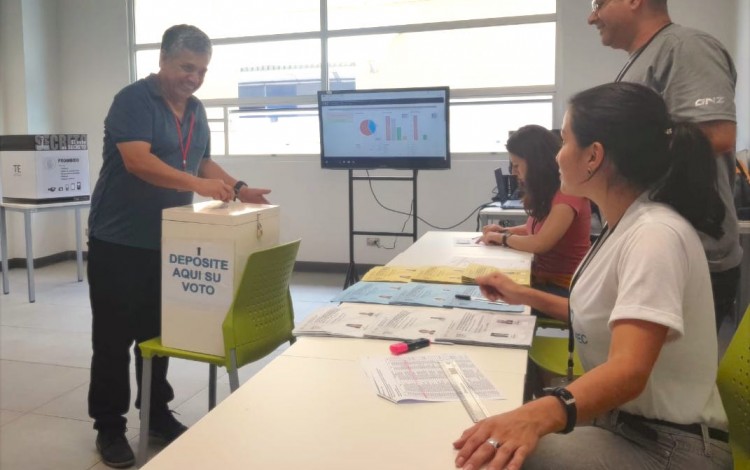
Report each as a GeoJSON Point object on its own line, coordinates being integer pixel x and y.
{"type": "Point", "coordinates": [472, 271]}
{"type": "Point", "coordinates": [441, 274]}
{"type": "Point", "coordinates": [389, 274]}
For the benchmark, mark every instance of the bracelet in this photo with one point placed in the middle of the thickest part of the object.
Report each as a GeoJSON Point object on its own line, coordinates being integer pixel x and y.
{"type": "Point", "coordinates": [568, 402]}
{"type": "Point", "coordinates": [237, 187]}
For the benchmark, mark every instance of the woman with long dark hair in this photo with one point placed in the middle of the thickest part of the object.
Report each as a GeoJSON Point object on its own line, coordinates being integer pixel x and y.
{"type": "Point", "coordinates": [640, 303]}
{"type": "Point", "coordinates": [558, 227]}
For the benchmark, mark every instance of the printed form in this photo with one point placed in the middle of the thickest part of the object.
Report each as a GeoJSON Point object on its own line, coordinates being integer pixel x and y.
{"type": "Point", "coordinates": [420, 378]}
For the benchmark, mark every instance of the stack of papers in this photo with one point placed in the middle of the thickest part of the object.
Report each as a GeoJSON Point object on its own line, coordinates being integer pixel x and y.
{"type": "Point", "coordinates": [428, 295]}
{"type": "Point", "coordinates": [439, 274]}
{"type": "Point", "coordinates": [420, 378]}
{"type": "Point", "coordinates": [389, 274]}
{"type": "Point", "coordinates": [472, 271]}
{"type": "Point", "coordinates": [457, 325]}
{"type": "Point", "coordinates": [464, 272]}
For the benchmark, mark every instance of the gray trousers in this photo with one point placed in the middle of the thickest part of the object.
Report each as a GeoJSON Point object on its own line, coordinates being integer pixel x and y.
{"type": "Point", "coordinates": [608, 444]}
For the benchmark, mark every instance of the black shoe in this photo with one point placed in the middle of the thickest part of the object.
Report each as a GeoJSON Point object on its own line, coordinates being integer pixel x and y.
{"type": "Point", "coordinates": [164, 428]}
{"type": "Point", "coordinates": [114, 449]}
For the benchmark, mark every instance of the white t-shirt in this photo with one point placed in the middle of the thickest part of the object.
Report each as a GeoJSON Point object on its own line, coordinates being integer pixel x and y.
{"type": "Point", "coordinates": [652, 267]}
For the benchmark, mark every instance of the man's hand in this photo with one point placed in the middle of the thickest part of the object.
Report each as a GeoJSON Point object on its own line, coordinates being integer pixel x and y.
{"type": "Point", "coordinates": [253, 195]}
{"type": "Point", "coordinates": [215, 189]}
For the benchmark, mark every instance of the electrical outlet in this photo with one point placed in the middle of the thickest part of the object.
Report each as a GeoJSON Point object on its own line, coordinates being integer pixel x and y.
{"type": "Point", "coordinates": [373, 242]}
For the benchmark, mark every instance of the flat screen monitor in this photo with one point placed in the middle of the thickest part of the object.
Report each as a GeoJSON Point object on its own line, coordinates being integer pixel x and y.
{"type": "Point", "coordinates": [405, 128]}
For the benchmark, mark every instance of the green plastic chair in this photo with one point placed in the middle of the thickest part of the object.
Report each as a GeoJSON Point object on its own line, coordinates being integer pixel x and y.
{"type": "Point", "coordinates": [548, 354]}
{"type": "Point", "coordinates": [734, 386]}
{"type": "Point", "coordinates": [260, 319]}
{"type": "Point", "coordinates": [551, 354]}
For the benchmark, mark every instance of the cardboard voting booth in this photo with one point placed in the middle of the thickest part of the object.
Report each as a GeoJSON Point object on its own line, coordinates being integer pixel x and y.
{"type": "Point", "coordinates": [44, 168]}
{"type": "Point", "coordinates": [205, 247]}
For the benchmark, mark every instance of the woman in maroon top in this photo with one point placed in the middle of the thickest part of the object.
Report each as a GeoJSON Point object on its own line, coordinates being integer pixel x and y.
{"type": "Point", "coordinates": [558, 228]}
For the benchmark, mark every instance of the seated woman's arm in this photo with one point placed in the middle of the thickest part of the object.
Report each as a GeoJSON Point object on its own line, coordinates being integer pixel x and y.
{"type": "Point", "coordinates": [635, 347]}
{"type": "Point", "coordinates": [555, 225]}
{"type": "Point", "coordinates": [495, 228]}
{"type": "Point", "coordinates": [498, 286]}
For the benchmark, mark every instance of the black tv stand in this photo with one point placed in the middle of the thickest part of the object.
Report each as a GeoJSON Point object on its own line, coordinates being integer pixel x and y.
{"type": "Point", "coordinates": [352, 276]}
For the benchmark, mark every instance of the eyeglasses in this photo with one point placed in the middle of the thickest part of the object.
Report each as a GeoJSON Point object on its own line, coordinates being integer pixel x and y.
{"type": "Point", "coordinates": [597, 5]}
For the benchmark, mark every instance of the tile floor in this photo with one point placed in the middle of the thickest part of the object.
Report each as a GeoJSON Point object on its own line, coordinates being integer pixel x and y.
{"type": "Point", "coordinates": [44, 369]}
{"type": "Point", "coordinates": [45, 354]}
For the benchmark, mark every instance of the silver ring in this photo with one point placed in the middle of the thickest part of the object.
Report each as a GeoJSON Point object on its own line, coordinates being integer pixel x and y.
{"type": "Point", "coordinates": [494, 443]}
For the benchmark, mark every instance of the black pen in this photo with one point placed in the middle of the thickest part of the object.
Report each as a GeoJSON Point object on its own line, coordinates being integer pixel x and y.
{"type": "Point", "coordinates": [480, 299]}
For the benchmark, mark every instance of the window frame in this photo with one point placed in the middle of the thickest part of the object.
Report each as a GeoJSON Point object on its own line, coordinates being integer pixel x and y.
{"type": "Point", "coordinates": [459, 96]}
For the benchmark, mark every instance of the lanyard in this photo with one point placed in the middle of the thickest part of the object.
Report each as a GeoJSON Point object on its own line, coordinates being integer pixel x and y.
{"type": "Point", "coordinates": [606, 232]}
{"type": "Point", "coordinates": [638, 53]}
{"type": "Point", "coordinates": [185, 147]}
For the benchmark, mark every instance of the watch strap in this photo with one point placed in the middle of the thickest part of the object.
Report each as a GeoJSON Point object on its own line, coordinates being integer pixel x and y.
{"type": "Point", "coordinates": [568, 402]}
{"type": "Point", "coordinates": [237, 187]}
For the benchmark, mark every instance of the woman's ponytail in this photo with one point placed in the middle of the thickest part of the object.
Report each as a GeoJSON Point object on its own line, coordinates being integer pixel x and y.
{"type": "Point", "coordinates": [690, 183]}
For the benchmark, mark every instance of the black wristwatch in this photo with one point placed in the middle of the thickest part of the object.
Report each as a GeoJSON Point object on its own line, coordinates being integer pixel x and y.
{"type": "Point", "coordinates": [237, 187]}
{"type": "Point", "coordinates": [506, 236]}
{"type": "Point", "coordinates": [568, 402]}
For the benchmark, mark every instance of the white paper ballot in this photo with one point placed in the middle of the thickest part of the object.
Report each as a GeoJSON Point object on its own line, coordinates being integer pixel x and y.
{"type": "Point", "coordinates": [420, 378]}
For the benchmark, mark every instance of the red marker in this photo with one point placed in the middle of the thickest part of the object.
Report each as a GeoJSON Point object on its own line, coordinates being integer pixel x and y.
{"type": "Point", "coordinates": [411, 345]}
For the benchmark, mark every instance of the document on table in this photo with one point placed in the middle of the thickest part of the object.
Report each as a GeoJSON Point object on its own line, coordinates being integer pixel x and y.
{"type": "Point", "coordinates": [422, 294]}
{"type": "Point", "coordinates": [456, 325]}
{"type": "Point", "coordinates": [469, 241]}
{"type": "Point", "coordinates": [472, 271]}
{"type": "Point", "coordinates": [339, 320]}
{"type": "Point", "coordinates": [433, 295]}
{"type": "Point", "coordinates": [493, 329]}
{"type": "Point", "coordinates": [389, 274]}
{"type": "Point", "coordinates": [371, 292]}
{"type": "Point", "coordinates": [440, 274]}
{"type": "Point", "coordinates": [420, 378]}
{"type": "Point", "coordinates": [509, 260]}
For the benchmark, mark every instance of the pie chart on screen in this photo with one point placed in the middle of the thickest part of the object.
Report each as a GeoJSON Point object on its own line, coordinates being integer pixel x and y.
{"type": "Point", "coordinates": [367, 127]}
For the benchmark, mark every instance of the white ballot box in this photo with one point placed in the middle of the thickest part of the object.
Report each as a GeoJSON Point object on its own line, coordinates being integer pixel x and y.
{"type": "Point", "coordinates": [45, 168]}
{"type": "Point", "coordinates": [205, 247]}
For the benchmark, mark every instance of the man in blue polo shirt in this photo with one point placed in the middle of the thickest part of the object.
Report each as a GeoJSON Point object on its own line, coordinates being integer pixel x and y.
{"type": "Point", "coordinates": [156, 155]}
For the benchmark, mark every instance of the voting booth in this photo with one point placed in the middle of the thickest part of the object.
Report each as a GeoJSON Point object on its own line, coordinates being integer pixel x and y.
{"type": "Point", "coordinates": [44, 168]}
{"type": "Point", "coordinates": [205, 247]}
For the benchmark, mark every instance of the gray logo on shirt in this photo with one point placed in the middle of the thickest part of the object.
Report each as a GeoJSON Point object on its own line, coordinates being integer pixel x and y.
{"type": "Point", "coordinates": [709, 101]}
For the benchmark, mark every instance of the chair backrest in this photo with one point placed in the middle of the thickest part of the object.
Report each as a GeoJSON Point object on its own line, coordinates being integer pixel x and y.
{"type": "Point", "coordinates": [261, 317]}
{"type": "Point", "coordinates": [734, 386]}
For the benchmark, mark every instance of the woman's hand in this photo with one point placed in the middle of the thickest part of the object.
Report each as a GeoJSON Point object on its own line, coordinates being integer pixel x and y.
{"type": "Point", "coordinates": [498, 286]}
{"type": "Point", "coordinates": [515, 432]}
{"type": "Point", "coordinates": [491, 238]}
{"type": "Point", "coordinates": [493, 228]}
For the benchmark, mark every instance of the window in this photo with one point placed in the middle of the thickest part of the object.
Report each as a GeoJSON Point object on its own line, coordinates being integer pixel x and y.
{"type": "Point", "coordinates": [270, 59]}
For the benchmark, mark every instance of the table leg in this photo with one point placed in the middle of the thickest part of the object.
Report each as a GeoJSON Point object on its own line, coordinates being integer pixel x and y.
{"type": "Point", "coordinates": [29, 256]}
{"type": "Point", "coordinates": [4, 250]}
{"type": "Point", "coordinates": [79, 245]}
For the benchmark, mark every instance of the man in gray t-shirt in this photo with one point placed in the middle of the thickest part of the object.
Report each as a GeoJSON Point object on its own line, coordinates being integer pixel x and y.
{"type": "Point", "coordinates": [695, 75]}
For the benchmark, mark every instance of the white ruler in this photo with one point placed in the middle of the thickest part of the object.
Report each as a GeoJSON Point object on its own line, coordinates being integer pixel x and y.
{"type": "Point", "coordinates": [471, 402]}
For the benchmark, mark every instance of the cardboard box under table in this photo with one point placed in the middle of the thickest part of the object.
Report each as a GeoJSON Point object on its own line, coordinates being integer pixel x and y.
{"type": "Point", "coordinates": [205, 247]}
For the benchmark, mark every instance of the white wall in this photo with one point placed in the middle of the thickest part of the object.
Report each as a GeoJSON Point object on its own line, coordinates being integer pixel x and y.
{"type": "Point", "coordinates": [582, 61]}
{"type": "Point", "coordinates": [41, 65]}
{"type": "Point", "coordinates": [743, 72]}
{"type": "Point", "coordinates": [14, 78]}
{"type": "Point", "coordinates": [32, 90]}
{"type": "Point", "coordinates": [94, 66]}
